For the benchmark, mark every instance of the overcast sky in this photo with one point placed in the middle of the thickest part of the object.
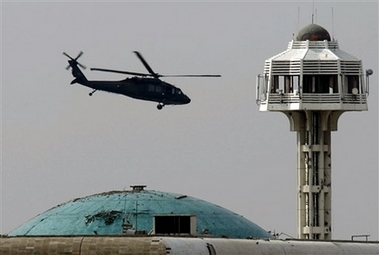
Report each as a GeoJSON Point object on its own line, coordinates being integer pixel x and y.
{"type": "Point", "coordinates": [58, 143]}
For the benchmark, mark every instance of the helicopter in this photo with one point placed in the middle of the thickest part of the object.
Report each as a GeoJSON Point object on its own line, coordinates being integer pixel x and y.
{"type": "Point", "coordinates": [143, 86]}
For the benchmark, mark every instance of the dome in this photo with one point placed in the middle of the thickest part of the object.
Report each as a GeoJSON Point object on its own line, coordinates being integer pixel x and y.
{"type": "Point", "coordinates": [313, 32]}
{"type": "Point", "coordinates": [137, 211]}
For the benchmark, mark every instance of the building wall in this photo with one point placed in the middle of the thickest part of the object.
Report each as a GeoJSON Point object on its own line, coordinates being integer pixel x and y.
{"type": "Point", "coordinates": [116, 245]}
{"type": "Point", "coordinates": [81, 245]}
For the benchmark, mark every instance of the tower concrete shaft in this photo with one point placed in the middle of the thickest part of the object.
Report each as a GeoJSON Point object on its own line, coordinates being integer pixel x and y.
{"type": "Point", "coordinates": [314, 215]}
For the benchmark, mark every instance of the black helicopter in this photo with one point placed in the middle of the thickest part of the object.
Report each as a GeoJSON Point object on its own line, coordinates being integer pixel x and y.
{"type": "Point", "coordinates": [144, 86]}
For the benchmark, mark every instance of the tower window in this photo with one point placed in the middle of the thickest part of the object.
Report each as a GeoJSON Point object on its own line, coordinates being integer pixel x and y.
{"type": "Point", "coordinates": [352, 83]}
{"type": "Point", "coordinates": [285, 84]}
{"type": "Point", "coordinates": [320, 84]}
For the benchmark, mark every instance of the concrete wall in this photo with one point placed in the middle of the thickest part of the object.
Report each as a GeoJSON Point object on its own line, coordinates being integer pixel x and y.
{"type": "Point", "coordinates": [81, 246]}
{"type": "Point", "coordinates": [115, 245]}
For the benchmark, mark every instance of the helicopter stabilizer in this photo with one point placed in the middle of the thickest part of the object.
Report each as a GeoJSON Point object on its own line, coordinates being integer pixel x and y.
{"type": "Point", "coordinates": [74, 81]}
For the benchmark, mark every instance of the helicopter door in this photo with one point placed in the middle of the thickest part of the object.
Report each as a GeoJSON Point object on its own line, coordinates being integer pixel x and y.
{"type": "Point", "coordinates": [158, 89]}
{"type": "Point", "coordinates": [155, 88]}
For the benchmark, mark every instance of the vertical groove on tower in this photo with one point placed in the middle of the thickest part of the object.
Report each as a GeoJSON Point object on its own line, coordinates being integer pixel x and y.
{"type": "Point", "coordinates": [313, 174]}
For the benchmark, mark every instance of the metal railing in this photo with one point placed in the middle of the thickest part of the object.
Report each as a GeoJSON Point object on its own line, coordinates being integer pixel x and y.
{"type": "Point", "coordinates": [316, 98]}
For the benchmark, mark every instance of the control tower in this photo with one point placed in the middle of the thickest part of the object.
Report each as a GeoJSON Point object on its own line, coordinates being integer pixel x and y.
{"type": "Point", "coordinates": [313, 82]}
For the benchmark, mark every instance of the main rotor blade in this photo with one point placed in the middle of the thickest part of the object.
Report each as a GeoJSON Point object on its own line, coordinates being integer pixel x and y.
{"type": "Point", "coordinates": [122, 72]}
{"type": "Point", "coordinates": [154, 74]}
{"type": "Point", "coordinates": [190, 75]}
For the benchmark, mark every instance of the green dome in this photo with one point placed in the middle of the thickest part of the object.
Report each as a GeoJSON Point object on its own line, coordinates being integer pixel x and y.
{"type": "Point", "coordinates": [136, 211]}
{"type": "Point", "coordinates": [313, 32]}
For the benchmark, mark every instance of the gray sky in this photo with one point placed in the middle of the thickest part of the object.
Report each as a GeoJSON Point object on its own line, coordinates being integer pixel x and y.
{"type": "Point", "coordinates": [58, 143]}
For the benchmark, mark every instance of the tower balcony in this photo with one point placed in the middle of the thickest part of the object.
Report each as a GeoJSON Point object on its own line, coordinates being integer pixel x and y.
{"type": "Point", "coordinates": [312, 101]}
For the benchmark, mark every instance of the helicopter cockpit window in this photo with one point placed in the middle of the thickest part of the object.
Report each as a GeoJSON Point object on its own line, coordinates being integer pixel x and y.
{"type": "Point", "coordinates": [179, 92]}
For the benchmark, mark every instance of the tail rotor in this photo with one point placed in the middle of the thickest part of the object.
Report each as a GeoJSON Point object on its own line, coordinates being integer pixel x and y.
{"type": "Point", "coordinates": [74, 61]}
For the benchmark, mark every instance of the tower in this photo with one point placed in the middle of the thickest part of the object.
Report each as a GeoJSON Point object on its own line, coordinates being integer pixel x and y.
{"type": "Point", "coordinates": [313, 82]}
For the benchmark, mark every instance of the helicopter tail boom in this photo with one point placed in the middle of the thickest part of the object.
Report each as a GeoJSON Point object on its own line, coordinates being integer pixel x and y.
{"type": "Point", "coordinates": [76, 72]}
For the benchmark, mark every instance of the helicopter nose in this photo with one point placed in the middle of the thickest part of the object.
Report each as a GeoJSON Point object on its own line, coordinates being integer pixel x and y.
{"type": "Point", "coordinates": [187, 100]}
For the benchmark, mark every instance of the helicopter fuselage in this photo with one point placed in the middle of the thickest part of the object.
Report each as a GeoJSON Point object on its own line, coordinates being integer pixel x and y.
{"type": "Point", "coordinates": [150, 89]}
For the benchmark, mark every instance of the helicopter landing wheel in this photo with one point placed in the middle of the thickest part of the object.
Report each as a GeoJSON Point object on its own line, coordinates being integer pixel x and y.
{"type": "Point", "coordinates": [160, 106]}
{"type": "Point", "coordinates": [93, 92]}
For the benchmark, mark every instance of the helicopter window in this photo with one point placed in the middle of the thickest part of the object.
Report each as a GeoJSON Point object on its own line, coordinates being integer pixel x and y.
{"type": "Point", "coordinates": [173, 91]}
{"type": "Point", "coordinates": [179, 91]}
{"type": "Point", "coordinates": [158, 89]}
{"type": "Point", "coordinates": [151, 87]}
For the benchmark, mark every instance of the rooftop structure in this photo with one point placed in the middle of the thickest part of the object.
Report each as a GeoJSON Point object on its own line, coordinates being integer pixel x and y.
{"type": "Point", "coordinates": [139, 212]}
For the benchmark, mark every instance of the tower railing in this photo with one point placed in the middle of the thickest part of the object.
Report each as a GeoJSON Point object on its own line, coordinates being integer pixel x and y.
{"type": "Point", "coordinates": [321, 98]}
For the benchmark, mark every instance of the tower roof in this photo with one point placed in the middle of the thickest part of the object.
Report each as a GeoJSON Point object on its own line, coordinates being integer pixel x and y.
{"type": "Point", "coordinates": [313, 32]}
{"type": "Point", "coordinates": [105, 214]}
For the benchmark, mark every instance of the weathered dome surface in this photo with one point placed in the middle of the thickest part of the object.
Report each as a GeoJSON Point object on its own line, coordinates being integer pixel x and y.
{"type": "Point", "coordinates": [313, 32]}
{"type": "Point", "coordinates": [104, 214]}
